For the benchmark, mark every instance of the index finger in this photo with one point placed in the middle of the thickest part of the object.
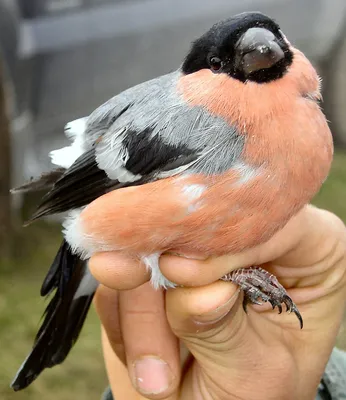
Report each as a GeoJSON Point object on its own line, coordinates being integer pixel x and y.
{"type": "Point", "coordinates": [118, 271]}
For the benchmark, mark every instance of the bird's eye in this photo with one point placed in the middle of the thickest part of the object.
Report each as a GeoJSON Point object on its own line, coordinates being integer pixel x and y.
{"type": "Point", "coordinates": [215, 64]}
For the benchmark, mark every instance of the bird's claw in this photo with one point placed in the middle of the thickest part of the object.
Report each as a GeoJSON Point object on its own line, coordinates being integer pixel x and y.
{"type": "Point", "coordinates": [259, 285]}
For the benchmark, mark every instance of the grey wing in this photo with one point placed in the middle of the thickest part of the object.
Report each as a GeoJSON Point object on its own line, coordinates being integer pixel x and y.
{"type": "Point", "coordinates": [153, 129]}
{"type": "Point", "coordinates": [151, 133]}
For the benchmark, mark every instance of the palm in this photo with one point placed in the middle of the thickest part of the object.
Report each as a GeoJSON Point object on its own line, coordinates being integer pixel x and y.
{"type": "Point", "coordinates": [233, 355]}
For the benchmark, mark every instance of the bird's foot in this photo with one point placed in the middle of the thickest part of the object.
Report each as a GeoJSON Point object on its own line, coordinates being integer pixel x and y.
{"type": "Point", "coordinates": [261, 286]}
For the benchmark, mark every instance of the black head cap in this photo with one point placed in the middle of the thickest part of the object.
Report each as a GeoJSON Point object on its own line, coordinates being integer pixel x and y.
{"type": "Point", "coordinates": [248, 46]}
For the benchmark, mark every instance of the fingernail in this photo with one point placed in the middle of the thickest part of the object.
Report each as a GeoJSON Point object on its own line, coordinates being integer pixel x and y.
{"type": "Point", "coordinates": [153, 375]}
{"type": "Point", "coordinates": [211, 317]}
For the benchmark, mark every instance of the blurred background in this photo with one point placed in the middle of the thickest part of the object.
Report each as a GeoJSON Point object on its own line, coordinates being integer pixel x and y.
{"type": "Point", "coordinates": [60, 59]}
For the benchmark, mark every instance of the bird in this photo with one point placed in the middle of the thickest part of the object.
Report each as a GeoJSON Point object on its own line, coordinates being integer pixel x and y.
{"type": "Point", "coordinates": [212, 158]}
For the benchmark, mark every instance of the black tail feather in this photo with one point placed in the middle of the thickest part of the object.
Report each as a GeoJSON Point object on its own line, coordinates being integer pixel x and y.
{"type": "Point", "coordinates": [44, 183]}
{"type": "Point", "coordinates": [53, 277]}
{"type": "Point", "coordinates": [64, 316]}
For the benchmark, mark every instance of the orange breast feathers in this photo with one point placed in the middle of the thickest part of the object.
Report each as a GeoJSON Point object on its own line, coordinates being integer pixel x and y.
{"type": "Point", "coordinates": [288, 149]}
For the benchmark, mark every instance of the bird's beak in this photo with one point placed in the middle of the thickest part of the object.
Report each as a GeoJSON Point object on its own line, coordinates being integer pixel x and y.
{"type": "Point", "coordinates": [257, 49]}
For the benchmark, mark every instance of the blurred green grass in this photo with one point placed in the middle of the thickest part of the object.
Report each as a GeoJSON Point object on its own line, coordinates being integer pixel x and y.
{"type": "Point", "coordinates": [332, 197]}
{"type": "Point", "coordinates": [82, 375]}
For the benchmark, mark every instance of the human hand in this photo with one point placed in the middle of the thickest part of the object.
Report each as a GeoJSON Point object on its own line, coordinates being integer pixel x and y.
{"type": "Point", "coordinates": [225, 353]}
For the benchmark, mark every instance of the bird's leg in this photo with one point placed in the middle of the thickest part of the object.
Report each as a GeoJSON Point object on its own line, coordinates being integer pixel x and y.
{"type": "Point", "coordinates": [259, 285]}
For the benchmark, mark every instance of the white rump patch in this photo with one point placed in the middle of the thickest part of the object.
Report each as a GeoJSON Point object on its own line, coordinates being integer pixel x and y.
{"type": "Point", "coordinates": [157, 279]}
{"type": "Point", "coordinates": [66, 156]}
{"type": "Point", "coordinates": [76, 128]}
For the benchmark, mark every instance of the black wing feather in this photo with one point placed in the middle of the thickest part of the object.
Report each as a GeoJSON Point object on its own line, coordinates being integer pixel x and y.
{"type": "Point", "coordinates": [149, 154]}
{"type": "Point", "coordinates": [84, 181]}
{"type": "Point", "coordinates": [63, 317]}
